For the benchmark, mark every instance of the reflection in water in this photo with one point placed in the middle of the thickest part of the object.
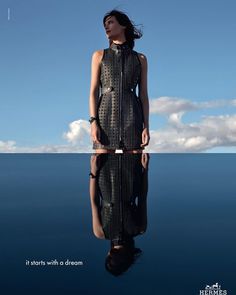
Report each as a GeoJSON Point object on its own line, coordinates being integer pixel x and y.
{"type": "Point", "coordinates": [118, 192]}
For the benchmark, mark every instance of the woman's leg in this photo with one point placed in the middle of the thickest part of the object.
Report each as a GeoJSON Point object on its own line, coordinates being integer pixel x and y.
{"type": "Point", "coordinates": [134, 151]}
{"type": "Point", "coordinates": [104, 151]}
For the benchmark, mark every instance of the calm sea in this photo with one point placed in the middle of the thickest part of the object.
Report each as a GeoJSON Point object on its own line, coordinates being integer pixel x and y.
{"type": "Point", "coordinates": [45, 216]}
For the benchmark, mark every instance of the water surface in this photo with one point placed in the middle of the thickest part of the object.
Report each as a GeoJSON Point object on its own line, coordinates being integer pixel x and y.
{"type": "Point", "coordinates": [45, 214]}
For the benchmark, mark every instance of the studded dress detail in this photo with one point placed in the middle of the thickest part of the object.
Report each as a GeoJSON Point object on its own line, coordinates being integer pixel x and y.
{"type": "Point", "coordinates": [119, 109]}
{"type": "Point", "coordinates": [122, 195]}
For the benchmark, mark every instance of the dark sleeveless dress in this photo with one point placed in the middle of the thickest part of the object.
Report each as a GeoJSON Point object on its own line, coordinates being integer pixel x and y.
{"type": "Point", "coordinates": [122, 192]}
{"type": "Point", "coordinates": [119, 109]}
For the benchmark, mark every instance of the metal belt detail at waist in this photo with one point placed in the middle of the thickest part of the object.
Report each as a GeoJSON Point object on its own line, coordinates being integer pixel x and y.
{"type": "Point", "coordinates": [110, 89]}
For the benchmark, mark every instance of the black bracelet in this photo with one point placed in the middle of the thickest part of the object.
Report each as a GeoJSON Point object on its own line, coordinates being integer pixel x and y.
{"type": "Point", "coordinates": [92, 119]}
{"type": "Point", "coordinates": [92, 175]}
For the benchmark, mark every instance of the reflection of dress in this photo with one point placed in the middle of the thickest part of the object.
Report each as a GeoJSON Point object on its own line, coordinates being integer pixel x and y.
{"type": "Point", "coordinates": [121, 187]}
{"type": "Point", "coordinates": [119, 110]}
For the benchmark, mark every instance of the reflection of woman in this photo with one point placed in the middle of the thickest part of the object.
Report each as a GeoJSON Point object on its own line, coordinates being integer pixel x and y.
{"type": "Point", "coordinates": [119, 119]}
{"type": "Point", "coordinates": [118, 191]}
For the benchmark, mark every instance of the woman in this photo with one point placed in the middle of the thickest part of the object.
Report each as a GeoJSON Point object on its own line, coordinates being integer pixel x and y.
{"type": "Point", "coordinates": [118, 195]}
{"type": "Point", "coordinates": [119, 118]}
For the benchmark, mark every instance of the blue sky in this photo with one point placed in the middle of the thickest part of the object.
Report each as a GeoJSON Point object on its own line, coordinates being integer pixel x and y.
{"type": "Point", "coordinates": [45, 61]}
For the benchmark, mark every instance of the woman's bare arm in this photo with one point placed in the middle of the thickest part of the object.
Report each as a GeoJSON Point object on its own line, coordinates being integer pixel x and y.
{"type": "Point", "coordinates": [143, 94]}
{"type": "Point", "coordinates": [95, 198]}
{"type": "Point", "coordinates": [96, 222]}
{"type": "Point", "coordinates": [94, 85]}
{"type": "Point", "coordinates": [94, 92]}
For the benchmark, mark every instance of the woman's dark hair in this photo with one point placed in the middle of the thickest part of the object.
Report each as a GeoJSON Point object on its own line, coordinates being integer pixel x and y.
{"type": "Point", "coordinates": [131, 32]}
{"type": "Point", "coordinates": [120, 260]}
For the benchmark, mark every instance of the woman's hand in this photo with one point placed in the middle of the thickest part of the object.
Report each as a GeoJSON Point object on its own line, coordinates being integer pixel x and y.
{"type": "Point", "coordinates": [94, 163]}
{"type": "Point", "coordinates": [145, 137]}
{"type": "Point", "coordinates": [145, 160]}
{"type": "Point", "coordinates": [95, 132]}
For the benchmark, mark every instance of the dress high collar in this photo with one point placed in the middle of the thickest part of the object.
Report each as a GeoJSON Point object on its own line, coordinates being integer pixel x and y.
{"type": "Point", "coordinates": [119, 47]}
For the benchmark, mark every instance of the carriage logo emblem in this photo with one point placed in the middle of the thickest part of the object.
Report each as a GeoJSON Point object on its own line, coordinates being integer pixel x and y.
{"type": "Point", "coordinates": [213, 290]}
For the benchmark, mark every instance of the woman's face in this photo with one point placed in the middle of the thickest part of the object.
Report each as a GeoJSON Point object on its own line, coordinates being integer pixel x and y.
{"type": "Point", "coordinates": [113, 28]}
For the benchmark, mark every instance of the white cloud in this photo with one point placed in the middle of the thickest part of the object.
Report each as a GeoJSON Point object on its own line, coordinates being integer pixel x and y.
{"type": "Point", "coordinates": [170, 105]}
{"type": "Point", "coordinates": [165, 105]}
{"type": "Point", "coordinates": [48, 148]}
{"type": "Point", "coordinates": [79, 131]}
{"type": "Point", "coordinates": [176, 136]}
{"type": "Point", "coordinates": [210, 132]}
{"type": "Point", "coordinates": [7, 146]}
{"type": "Point", "coordinates": [78, 138]}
